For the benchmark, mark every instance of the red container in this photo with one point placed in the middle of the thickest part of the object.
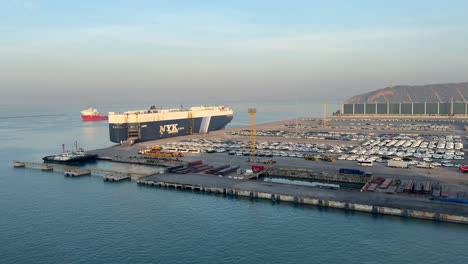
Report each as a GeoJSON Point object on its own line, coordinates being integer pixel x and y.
{"type": "Point", "coordinates": [194, 163]}
{"type": "Point", "coordinates": [215, 170]}
{"type": "Point", "coordinates": [409, 186]}
{"type": "Point", "coordinates": [202, 169]}
{"type": "Point", "coordinates": [257, 168]}
{"type": "Point", "coordinates": [372, 187]}
{"type": "Point", "coordinates": [378, 180]}
{"type": "Point", "coordinates": [386, 183]}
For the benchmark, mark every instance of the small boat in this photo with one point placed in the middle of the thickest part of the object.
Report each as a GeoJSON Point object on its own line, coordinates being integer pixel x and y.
{"type": "Point", "coordinates": [70, 156]}
{"type": "Point", "coordinates": [91, 114]}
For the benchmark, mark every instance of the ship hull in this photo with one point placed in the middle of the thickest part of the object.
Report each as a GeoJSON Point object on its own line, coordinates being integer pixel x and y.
{"type": "Point", "coordinates": [51, 159]}
{"type": "Point", "coordinates": [93, 117]}
{"type": "Point", "coordinates": [145, 131]}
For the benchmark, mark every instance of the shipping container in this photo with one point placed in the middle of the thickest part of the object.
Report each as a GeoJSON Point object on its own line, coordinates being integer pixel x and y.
{"type": "Point", "coordinates": [216, 169]}
{"type": "Point", "coordinates": [183, 171]}
{"type": "Point", "coordinates": [228, 171]}
{"type": "Point", "coordinates": [202, 169]}
{"type": "Point", "coordinates": [409, 186]}
{"type": "Point", "coordinates": [401, 186]}
{"type": "Point", "coordinates": [198, 166]}
{"type": "Point", "coordinates": [372, 187]}
{"type": "Point", "coordinates": [436, 189]}
{"type": "Point", "coordinates": [379, 180]}
{"type": "Point", "coordinates": [193, 163]}
{"type": "Point", "coordinates": [418, 187]}
{"type": "Point", "coordinates": [427, 187]}
{"type": "Point", "coordinates": [180, 169]}
{"type": "Point", "coordinates": [386, 183]}
{"type": "Point", "coordinates": [392, 189]}
{"type": "Point", "coordinates": [194, 168]}
{"type": "Point", "coordinates": [173, 168]}
{"type": "Point", "coordinates": [258, 168]}
{"type": "Point", "coordinates": [444, 190]}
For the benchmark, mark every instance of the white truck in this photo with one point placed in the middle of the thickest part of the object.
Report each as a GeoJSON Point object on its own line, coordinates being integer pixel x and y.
{"type": "Point", "coordinates": [397, 164]}
{"type": "Point", "coordinates": [425, 165]}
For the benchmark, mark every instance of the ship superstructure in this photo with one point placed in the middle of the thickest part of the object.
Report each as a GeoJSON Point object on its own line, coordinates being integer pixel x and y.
{"type": "Point", "coordinates": [92, 114]}
{"type": "Point", "coordinates": [143, 125]}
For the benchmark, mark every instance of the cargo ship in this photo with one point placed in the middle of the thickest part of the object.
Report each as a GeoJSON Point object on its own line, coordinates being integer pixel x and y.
{"type": "Point", "coordinates": [144, 125]}
{"type": "Point", "coordinates": [70, 156]}
{"type": "Point", "coordinates": [91, 114]}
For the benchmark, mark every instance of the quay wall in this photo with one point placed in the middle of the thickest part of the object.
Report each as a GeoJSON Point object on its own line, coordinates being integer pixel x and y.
{"type": "Point", "coordinates": [278, 197]}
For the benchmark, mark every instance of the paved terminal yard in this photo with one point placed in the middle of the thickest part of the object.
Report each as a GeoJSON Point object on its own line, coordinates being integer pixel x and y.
{"type": "Point", "coordinates": [293, 131]}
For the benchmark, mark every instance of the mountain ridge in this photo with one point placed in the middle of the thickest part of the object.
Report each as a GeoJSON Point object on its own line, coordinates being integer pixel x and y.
{"type": "Point", "coordinates": [445, 92]}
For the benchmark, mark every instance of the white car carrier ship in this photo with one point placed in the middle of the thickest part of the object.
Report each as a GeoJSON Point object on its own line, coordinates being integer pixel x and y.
{"type": "Point", "coordinates": [144, 125]}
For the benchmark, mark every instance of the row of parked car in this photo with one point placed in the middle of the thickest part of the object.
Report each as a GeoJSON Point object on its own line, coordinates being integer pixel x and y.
{"type": "Point", "coordinates": [277, 147]}
{"type": "Point", "coordinates": [343, 136]}
{"type": "Point", "coordinates": [437, 147]}
{"type": "Point", "coordinates": [408, 162]}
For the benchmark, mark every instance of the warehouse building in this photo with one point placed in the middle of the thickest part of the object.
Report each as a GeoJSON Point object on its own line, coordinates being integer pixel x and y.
{"type": "Point", "coordinates": [426, 108]}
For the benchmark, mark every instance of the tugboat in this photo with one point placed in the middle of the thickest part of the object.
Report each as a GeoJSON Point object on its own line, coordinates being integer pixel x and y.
{"type": "Point", "coordinates": [91, 114]}
{"type": "Point", "coordinates": [70, 156]}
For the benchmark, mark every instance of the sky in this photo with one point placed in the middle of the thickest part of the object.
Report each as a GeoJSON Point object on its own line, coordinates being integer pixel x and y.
{"type": "Point", "coordinates": [207, 51]}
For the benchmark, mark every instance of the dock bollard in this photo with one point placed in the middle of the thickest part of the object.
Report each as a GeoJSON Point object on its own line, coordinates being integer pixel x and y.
{"type": "Point", "coordinates": [375, 209]}
{"type": "Point", "coordinates": [437, 217]}
{"type": "Point", "coordinates": [405, 213]}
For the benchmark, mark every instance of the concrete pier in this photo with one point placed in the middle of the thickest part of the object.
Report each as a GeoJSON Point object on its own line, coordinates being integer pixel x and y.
{"type": "Point", "coordinates": [72, 171]}
{"type": "Point", "coordinates": [160, 162]}
{"type": "Point", "coordinates": [76, 172]}
{"type": "Point", "coordinates": [375, 203]}
{"type": "Point", "coordinates": [116, 177]}
{"type": "Point", "coordinates": [18, 164]}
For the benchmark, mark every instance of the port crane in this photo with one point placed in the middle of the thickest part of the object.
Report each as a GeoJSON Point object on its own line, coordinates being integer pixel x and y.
{"type": "Point", "coordinates": [324, 121]}
{"type": "Point", "coordinates": [252, 112]}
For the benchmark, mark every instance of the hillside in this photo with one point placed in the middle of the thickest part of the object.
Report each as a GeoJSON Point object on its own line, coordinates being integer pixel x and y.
{"type": "Point", "coordinates": [420, 93]}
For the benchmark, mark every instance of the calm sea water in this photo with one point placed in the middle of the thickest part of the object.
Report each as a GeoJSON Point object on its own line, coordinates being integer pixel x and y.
{"type": "Point", "coordinates": [47, 218]}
